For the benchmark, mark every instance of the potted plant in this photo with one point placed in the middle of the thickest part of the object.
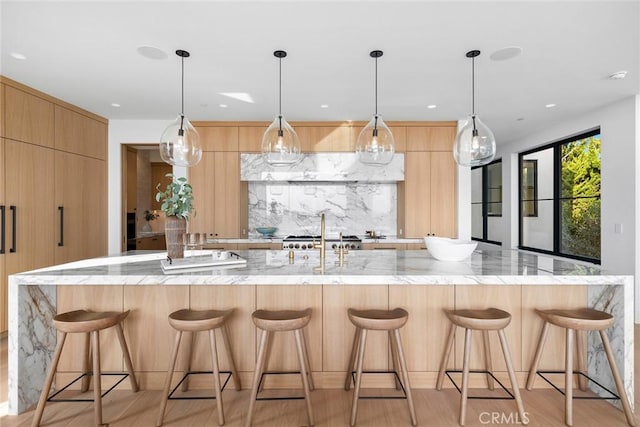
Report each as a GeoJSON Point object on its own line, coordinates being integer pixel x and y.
{"type": "Point", "coordinates": [177, 204]}
{"type": "Point", "coordinates": [148, 216]}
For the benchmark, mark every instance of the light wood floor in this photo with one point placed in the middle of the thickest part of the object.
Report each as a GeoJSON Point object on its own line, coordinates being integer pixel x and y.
{"type": "Point", "coordinates": [331, 408]}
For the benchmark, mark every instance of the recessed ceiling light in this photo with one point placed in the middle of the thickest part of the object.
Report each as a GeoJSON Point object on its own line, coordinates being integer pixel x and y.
{"type": "Point", "coordinates": [115, 104]}
{"type": "Point", "coordinates": [324, 106]}
{"type": "Point", "coordinates": [431, 106]}
{"type": "Point", "coordinates": [618, 75]}
{"type": "Point", "coordinates": [519, 119]}
{"type": "Point", "coordinates": [16, 55]}
{"type": "Point", "coordinates": [223, 105]}
{"type": "Point", "coordinates": [240, 96]}
{"type": "Point", "coordinates": [506, 53]}
{"type": "Point", "coordinates": [152, 52]}
{"type": "Point", "coordinates": [550, 105]}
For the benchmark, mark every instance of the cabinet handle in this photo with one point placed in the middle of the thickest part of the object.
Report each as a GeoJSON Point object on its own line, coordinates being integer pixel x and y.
{"type": "Point", "coordinates": [2, 228]}
{"type": "Point", "coordinates": [61, 210]}
{"type": "Point", "coordinates": [13, 210]}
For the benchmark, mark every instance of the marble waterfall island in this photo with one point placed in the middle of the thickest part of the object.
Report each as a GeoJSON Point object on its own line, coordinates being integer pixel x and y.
{"type": "Point", "coordinates": [514, 281]}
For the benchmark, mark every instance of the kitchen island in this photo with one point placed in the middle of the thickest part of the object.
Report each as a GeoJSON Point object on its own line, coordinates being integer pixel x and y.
{"type": "Point", "coordinates": [514, 281]}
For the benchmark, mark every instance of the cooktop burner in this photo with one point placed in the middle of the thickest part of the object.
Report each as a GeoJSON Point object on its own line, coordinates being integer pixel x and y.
{"type": "Point", "coordinates": [333, 242]}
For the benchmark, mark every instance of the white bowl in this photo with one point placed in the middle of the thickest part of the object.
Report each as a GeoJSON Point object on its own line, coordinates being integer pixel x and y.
{"type": "Point", "coordinates": [444, 249]}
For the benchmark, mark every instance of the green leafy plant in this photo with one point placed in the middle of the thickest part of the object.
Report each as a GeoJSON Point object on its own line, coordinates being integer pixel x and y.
{"type": "Point", "coordinates": [177, 198]}
{"type": "Point", "coordinates": [150, 216]}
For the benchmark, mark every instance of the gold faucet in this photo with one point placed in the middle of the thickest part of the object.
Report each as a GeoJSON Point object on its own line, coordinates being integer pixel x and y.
{"type": "Point", "coordinates": [322, 245]}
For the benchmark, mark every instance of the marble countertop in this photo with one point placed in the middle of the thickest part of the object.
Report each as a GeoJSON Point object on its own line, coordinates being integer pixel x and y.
{"type": "Point", "coordinates": [384, 267]}
{"type": "Point", "coordinates": [278, 239]}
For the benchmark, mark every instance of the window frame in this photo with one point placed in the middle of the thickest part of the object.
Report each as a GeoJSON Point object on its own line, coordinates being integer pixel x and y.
{"type": "Point", "coordinates": [557, 197]}
{"type": "Point", "coordinates": [485, 202]}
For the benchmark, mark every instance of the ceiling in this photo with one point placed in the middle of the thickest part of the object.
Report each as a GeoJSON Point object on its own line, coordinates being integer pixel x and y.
{"type": "Point", "coordinates": [86, 53]}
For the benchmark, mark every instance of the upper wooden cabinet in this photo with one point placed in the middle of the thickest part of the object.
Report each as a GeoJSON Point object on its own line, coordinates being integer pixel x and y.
{"type": "Point", "coordinates": [399, 137]}
{"type": "Point", "coordinates": [430, 138]}
{"type": "Point", "coordinates": [224, 138]}
{"type": "Point", "coordinates": [27, 118]}
{"type": "Point", "coordinates": [324, 138]}
{"type": "Point", "coordinates": [80, 134]}
{"type": "Point", "coordinates": [250, 139]}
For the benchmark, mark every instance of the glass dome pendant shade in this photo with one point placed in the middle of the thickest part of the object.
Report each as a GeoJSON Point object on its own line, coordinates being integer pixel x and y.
{"type": "Point", "coordinates": [180, 143]}
{"type": "Point", "coordinates": [280, 143]}
{"type": "Point", "coordinates": [474, 144]}
{"type": "Point", "coordinates": [375, 145]}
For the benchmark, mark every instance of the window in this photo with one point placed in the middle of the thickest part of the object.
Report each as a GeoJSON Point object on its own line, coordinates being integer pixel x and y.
{"type": "Point", "coordinates": [560, 198]}
{"type": "Point", "coordinates": [486, 202]}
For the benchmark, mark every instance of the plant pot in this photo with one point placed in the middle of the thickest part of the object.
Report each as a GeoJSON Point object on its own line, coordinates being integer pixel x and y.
{"type": "Point", "coordinates": [174, 228]}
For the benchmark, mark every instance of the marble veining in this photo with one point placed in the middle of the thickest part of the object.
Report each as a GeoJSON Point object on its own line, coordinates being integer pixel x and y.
{"type": "Point", "coordinates": [32, 295]}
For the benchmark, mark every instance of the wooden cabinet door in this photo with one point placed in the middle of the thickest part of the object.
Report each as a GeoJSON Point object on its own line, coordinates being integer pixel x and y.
{"type": "Point", "coordinates": [201, 177]}
{"type": "Point", "coordinates": [3, 277]}
{"type": "Point", "coordinates": [159, 173]}
{"type": "Point", "coordinates": [226, 184]}
{"type": "Point", "coordinates": [417, 194]}
{"type": "Point", "coordinates": [27, 118]}
{"type": "Point", "coordinates": [80, 190]}
{"type": "Point", "coordinates": [324, 138]}
{"type": "Point", "coordinates": [250, 139]}
{"type": "Point", "coordinates": [223, 138]}
{"type": "Point", "coordinates": [443, 194]}
{"type": "Point", "coordinates": [30, 210]}
{"type": "Point", "coordinates": [80, 134]}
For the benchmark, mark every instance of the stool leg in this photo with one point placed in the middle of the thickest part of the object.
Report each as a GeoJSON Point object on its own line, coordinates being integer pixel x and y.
{"type": "Point", "coordinates": [582, 381]}
{"type": "Point", "coordinates": [487, 358]}
{"type": "Point", "coordinates": [512, 376]}
{"type": "Point", "coordinates": [352, 358]}
{"type": "Point", "coordinates": [356, 389]}
{"type": "Point", "coordinates": [86, 363]}
{"type": "Point", "coordinates": [262, 352]}
{"type": "Point", "coordinates": [445, 356]}
{"type": "Point", "coordinates": [187, 360]}
{"type": "Point", "coordinates": [568, 379]}
{"type": "Point", "coordinates": [216, 375]}
{"type": "Point", "coordinates": [265, 367]}
{"type": "Point", "coordinates": [536, 359]}
{"type": "Point", "coordinates": [167, 381]}
{"type": "Point", "coordinates": [303, 373]}
{"type": "Point", "coordinates": [227, 346]}
{"type": "Point", "coordinates": [97, 383]}
{"type": "Point", "coordinates": [616, 377]}
{"type": "Point", "coordinates": [37, 417]}
{"type": "Point", "coordinates": [465, 375]}
{"type": "Point", "coordinates": [127, 358]}
{"type": "Point", "coordinates": [306, 359]}
{"type": "Point", "coordinates": [405, 374]}
{"type": "Point", "coordinates": [396, 363]}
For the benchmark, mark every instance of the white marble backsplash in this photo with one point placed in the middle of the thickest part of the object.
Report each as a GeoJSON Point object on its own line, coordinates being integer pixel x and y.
{"type": "Point", "coordinates": [349, 207]}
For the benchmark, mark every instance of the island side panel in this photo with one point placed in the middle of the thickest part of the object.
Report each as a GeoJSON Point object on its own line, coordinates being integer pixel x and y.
{"type": "Point", "coordinates": [338, 332]}
{"type": "Point", "coordinates": [242, 331]}
{"type": "Point", "coordinates": [149, 335]}
{"type": "Point", "coordinates": [32, 342]}
{"type": "Point", "coordinates": [504, 297]}
{"type": "Point", "coordinates": [283, 356]}
{"type": "Point", "coordinates": [92, 298]}
{"type": "Point", "coordinates": [611, 299]}
{"type": "Point", "coordinates": [544, 298]}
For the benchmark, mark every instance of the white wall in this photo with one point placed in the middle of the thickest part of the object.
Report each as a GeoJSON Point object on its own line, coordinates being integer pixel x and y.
{"type": "Point", "coordinates": [618, 124]}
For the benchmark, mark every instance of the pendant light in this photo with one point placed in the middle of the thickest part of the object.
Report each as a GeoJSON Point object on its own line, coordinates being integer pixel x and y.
{"type": "Point", "coordinates": [280, 144]}
{"type": "Point", "coordinates": [375, 145]}
{"type": "Point", "coordinates": [475, 144]}
{"type": "Point", "coordinates": [180, 143]}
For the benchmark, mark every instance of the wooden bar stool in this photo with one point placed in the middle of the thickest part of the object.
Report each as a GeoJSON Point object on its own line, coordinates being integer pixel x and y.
{"type": "Point", "coordinates": [89, 323]}
{"type": "Point", "coordinates": [278, 321]}
{"type": "Point", "coordinates": [198, 321]}
{"type": "Point", "coordinates": [490, 319]}
{"type": "Point", "coordinates": [575, 322]}
{"type": "Point", "coordinates": [378, 320]}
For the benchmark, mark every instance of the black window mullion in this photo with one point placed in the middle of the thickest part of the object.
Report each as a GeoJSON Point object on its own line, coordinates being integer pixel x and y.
{"type": "Point", "coordinates": [557, 189]}
{"type": "Point", "coordinates": [485, 201]}
{"type": "Point", "coordinates": [520, 202]}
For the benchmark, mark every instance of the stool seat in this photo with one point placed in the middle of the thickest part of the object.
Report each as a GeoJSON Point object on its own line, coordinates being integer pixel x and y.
{"type": "Point", "coordinates": [584, 319]}
{"type": "Point", "coordinates": [490, 319]}
{"type": "Point", "coordinates": [198, 320]}
{"type": "Point", "coordinates": [379, 320]}
{"type": "Point", "coordinates": [87, 321]}
{"type": "Point", "coordinates": [281, 320]}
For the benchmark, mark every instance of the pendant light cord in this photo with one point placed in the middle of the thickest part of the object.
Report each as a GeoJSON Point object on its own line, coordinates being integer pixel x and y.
{"type": "Point", "coordinates": [280, 133]}
{"type": "Point", "coordinates": [376, 88]}
{"type": "Point", "coordinates": [181, 130]}
{"type": "Point", "coordinates": [473, 86]}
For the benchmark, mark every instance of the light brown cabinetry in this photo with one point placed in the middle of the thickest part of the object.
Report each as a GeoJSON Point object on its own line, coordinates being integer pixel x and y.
{"type": "Point", "coordinates": [427, 197]}
{"type": "Point", "coordinates": [216, 187]}
{"type": "Point", "coordinates": [27, 118]}
{"type": "Point", "coordinates": [3, 206]}
{"type": "Point", "coordinates": [151, 243]}
{"type": "Point", "coordinates": [79, 198]}
{"type": "Point", "coordinates": [250, 246]}
{"type": "Point", "coordinates": [159, 173]}
{"type": "Point", "coordinates": [379, 245]}
{"type": "Point", "coordinates": [80, 134]}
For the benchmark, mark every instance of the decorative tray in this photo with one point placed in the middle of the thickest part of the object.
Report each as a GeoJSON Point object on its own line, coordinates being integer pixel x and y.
{"type": "Point", "coordinates": [233, 260]}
